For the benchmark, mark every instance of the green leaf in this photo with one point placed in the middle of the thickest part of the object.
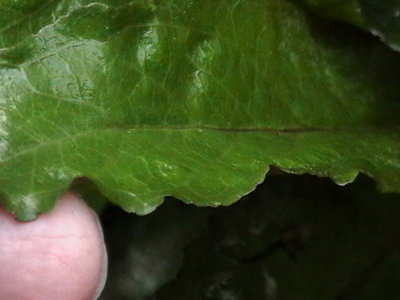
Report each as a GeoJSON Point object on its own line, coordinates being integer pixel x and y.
{"type": "Point", "coordinates": [380, 17]}
{"type": "Point", "coordinates": [194, 99]}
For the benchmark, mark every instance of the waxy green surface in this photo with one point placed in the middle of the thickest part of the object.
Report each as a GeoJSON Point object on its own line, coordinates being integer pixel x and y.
{"type": "Point", "coordinates": [194, 99]}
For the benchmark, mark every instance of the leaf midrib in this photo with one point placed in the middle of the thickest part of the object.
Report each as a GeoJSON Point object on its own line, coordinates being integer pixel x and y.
{"type": "Point", "coordinates": [200, 128]}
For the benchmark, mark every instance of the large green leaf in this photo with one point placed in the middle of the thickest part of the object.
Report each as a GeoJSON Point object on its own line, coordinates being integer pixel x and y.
{"type": "Point", "coordinates": [381, 17]}
{"type": "Point", "coordinates": [194, 99]}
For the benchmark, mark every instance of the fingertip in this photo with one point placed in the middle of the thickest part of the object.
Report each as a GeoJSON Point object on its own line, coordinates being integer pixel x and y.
{"type": "Point", "coordinates": [61, 255]}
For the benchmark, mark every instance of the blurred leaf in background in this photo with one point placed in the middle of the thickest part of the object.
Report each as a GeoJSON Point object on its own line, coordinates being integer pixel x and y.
{"type": "Point", "coordinates": [380, 17]}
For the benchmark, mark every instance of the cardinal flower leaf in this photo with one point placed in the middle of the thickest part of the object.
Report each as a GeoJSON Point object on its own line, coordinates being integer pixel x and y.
{"type": "Point", "coordinates": [194, 99]}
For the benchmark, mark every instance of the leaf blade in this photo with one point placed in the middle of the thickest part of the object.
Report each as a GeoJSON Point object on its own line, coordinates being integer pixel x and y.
{"type": "Point", "coordinates": [159, 101]}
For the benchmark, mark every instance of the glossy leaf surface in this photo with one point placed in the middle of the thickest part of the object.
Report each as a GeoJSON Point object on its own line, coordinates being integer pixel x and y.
{"type": "Point", "coordinates": [194, 99]}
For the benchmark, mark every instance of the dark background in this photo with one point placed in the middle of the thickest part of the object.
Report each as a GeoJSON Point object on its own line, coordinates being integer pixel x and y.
{"type": "Point", "coordinates": [294, 237]}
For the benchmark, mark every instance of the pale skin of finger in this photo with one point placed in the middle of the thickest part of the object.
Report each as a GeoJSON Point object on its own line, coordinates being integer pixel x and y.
{"type": "Point", "coordinates": [61, 255]}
